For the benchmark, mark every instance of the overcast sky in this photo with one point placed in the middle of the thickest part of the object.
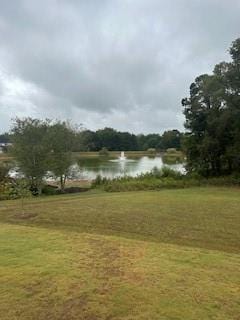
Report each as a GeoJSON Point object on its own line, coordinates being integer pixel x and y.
{"type": "Point", "coordinates": [119, 63]}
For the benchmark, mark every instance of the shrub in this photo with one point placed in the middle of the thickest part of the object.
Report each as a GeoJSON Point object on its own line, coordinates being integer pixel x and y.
{"type": "Point", "coordinates": [171, 150]}
{"type": "Point", "coordinates": [99, 180]}
{"type": "Point", "coordinates": [49, 190]}
{"type": "Point", "coordinates": [14, 189]}
{"type": "Point", "coordinates": [6, 191]}
{"type": "Point", "coordinates": [72, 190]}
{"type": "Point", "coordinates": [151, 150]}
{"type": "Point", "coordinates": [168, 172]}
{"type": "Point", "coordinates": [4, 168]}
{"type": "Point", "coordinates": [104, 152]}
{"type": "Point", "coordinates": [165, 178]}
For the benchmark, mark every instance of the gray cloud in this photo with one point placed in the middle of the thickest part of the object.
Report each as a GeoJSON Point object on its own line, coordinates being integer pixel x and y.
{"type": "Point", "coordinates": [122, 63]}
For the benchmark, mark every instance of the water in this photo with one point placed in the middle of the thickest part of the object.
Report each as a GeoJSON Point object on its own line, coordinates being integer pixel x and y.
{"type": "Point", "coordinates": [89, 168]}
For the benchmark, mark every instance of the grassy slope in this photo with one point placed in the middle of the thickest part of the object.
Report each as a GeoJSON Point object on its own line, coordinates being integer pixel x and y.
{"type": "Point", "coordinates": [172, 254]}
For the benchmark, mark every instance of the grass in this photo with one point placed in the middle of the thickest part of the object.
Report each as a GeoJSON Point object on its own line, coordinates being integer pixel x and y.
{"type": "Point", "coordinates": [173, 254]}
{"type": "Point", "coordinates": [112, 154]}
{"type": "Point", "coordinates": [5, 157]}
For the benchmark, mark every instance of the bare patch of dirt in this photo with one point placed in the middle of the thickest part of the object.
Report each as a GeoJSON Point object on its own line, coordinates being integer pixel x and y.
{"type": "Point", "coordinates": [78, 305]}
{"type": "Point", "coordinates": [110, 261]}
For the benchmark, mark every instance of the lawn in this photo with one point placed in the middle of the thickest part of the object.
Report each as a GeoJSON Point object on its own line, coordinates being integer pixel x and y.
{"type": "Point", "coordinates": [171, 255]}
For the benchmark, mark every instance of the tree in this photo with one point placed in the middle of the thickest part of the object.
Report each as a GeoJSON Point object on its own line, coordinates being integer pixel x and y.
{"type": "Point", "coordinates": [21, 190]}
{"type": "Point", "coordinates": [114, 140]}
{"type": "Point", "coordinates": [5, 138]}
{"type": "Point", "coordinates": [213, 119]}
{"type": "Point", "coordinates": [171, 139]}
{"type": "Point", "coordinates": [152, 140]}
{"type": "Point", "coordinates": [108, 138]}
{"type": "Point", "coordinates": [127, 141]}
{"type": "Point", "coordinates": [60, 139]}
{"type": "Point", "coordinates": [85, 140]}
{"type": "Point", "coordinates": [31, 150]}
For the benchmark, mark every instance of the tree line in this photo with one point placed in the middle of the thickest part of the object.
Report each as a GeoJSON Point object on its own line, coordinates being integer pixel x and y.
{"type": "Point", "coordinates": [212, 114]}
{"type": "Point", "coordinates": [113, 140]}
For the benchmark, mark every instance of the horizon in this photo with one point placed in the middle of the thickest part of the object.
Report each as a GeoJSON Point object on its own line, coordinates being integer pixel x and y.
{"type": "Point", "coordinates": [82, 129]}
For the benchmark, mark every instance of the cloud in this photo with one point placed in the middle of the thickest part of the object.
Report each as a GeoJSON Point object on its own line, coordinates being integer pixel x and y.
{"type": "Point", "coordinates": [122, 63]}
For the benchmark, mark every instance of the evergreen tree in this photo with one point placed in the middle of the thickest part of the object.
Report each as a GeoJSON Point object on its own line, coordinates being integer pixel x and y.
{"type": "Point", "coordinates": [213, 119]}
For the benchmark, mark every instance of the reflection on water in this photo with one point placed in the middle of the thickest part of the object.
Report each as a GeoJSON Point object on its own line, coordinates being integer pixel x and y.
{"type": "Point", "coordinates": [90, 168]}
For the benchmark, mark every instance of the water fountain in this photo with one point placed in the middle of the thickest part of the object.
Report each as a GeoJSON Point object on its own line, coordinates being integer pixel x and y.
{"type": "Point", "coordinates": [122, 159]}
{"type": "Point", "coordinates": [122, 156]}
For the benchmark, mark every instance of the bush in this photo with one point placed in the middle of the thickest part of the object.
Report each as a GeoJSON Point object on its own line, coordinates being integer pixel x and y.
{"type": "Point", "coordinates": [73, 190]}
{"type": "Point", "coordinates": [171, 150]}
{"type": "Point", "coordinates": [104, 152]}
{"type": "Point", "coordinates": [99, 180]}
{"type": "Point", "coordinates": [6, 191]}
{"type": "Point", "coordinates": [14, 189]}
{"type": "Point", "coordinates": [165, 178]}
{"type": "Point", "coordinates": [49, 190]}
{"type": "Point", "coordinates": [153, 180]}
{"type": "Point", "coordinates": [4, 168]}
{"type": "Point", "coordinates": [54, 190]}
{"type": "Point", "coordinates": [168, 172]}
{"type": "Point", "coordinates": [151, 150]}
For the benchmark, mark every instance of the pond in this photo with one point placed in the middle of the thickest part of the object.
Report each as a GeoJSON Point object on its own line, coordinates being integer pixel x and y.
{"type": "Point", "coordinates": [111, 168]}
